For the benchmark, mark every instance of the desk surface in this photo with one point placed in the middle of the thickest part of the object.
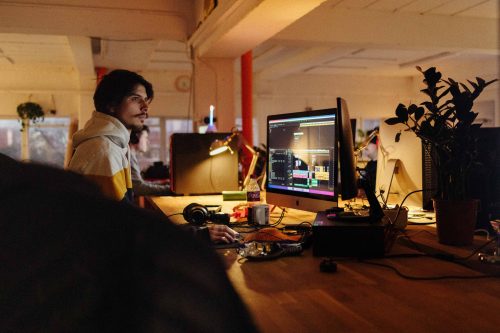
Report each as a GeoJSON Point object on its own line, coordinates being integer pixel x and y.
{"type": "Point", "coordinates": [291, 295]}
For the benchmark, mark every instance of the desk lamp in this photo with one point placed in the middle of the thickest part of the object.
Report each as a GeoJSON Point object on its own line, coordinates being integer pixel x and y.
{"type": "Point", "coordinates": [220, 146]}
{"type": "Point", "coordinates": [367, 140]}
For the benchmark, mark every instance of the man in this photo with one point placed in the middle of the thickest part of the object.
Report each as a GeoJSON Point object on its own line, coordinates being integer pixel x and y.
{"type": "Point", "coordinates": [75, 261]}
{"type": "Point", "coordinates": [101, 148]}
{"type": "Point", "coordinates": [139, 143]}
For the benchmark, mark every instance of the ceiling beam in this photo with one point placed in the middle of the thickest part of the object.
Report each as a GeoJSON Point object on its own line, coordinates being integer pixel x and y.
{"type": "Point", "coordinates": [84, 63]}
{"type": "Point", "coordinates": [336, 26]}
{"type": "Point", "coordinates": [236, 27]}
{"type": "Point", "coordinates": [298, 62]}
{"type": "Point", "coordinates": [84, 19]}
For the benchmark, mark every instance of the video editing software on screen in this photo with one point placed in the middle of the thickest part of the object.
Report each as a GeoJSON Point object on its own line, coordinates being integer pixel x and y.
{"type": "Point", "coordinates": [302, 154]}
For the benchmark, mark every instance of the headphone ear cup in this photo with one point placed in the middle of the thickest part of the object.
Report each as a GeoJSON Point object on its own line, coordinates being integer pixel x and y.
{"type": "Point", "coordinates": [196, 214]}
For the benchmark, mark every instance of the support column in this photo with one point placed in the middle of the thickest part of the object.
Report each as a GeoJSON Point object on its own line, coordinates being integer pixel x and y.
{"type": "Point", "coordinates": [246, 105]}
{"type": "Point", "coordinates": [246, 96]}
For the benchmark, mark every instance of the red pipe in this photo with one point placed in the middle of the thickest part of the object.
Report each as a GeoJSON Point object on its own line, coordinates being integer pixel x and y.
{"type": "Point", "coordinates": [246, 103]}
{"type": "Point", "coordinates": [100, 72]}
{"type": "Point", "coordinates": [246, 96]}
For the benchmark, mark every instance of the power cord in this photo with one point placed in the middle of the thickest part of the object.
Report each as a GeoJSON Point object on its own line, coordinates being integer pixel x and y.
{"type": "Point", "coordinates": [439, 277]}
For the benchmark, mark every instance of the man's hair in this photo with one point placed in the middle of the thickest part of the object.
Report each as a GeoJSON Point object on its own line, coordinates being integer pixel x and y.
{"type": "Point", "coordinates": [117, 85]}
{"type": "Point", "coordinates": [136, 135]}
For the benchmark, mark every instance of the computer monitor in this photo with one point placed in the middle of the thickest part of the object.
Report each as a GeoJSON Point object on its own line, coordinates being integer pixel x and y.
{"type": "Point", "coordinates": [303, 158]}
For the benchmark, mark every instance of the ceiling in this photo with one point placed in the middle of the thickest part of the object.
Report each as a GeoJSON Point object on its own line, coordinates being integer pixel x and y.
{"type": "Point", "coordinates": [353, 37]}
{"type": "Point", "coordinates": [385, 37]}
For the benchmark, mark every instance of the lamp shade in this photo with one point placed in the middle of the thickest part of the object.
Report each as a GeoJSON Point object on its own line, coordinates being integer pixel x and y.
{"type": "Point", "coordinates": [218, 147]}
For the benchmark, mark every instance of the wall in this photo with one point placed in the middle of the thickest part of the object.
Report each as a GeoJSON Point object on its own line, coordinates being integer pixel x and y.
{"type": "Point", "coordinates": [44, 88]}
{"type": "Point", "coordinates": [368, 97]}
{"type": "Point", "coordinates": [371, 97]}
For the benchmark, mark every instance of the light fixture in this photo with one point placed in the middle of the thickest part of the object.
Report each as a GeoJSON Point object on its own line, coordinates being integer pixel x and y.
{"type": "Point", "coordinates": [366, 141]}
{"type": "Point", "coordinates": [220, 146]}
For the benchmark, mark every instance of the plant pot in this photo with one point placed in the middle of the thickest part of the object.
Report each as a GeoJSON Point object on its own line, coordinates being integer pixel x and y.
{"type": "Point", "coordinates": [456, 221]}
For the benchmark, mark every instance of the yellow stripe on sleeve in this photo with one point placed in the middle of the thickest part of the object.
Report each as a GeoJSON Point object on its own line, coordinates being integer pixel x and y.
{"type": "Point", "coordinates": [115, 186]}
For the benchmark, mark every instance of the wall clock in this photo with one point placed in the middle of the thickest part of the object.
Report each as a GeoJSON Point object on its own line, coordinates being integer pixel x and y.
{"type": "Point", "coordinates": [183, 83]}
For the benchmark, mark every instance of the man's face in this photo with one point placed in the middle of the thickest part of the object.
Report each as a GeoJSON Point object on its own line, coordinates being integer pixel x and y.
{"type": "Point", "coordinates": [133, 110]}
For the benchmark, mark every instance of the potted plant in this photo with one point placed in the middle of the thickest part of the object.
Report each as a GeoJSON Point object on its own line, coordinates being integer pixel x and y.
{"type": "Point", "coordinates": [445, 124]}
{"type": "Point", "coordinates": [30, 111]}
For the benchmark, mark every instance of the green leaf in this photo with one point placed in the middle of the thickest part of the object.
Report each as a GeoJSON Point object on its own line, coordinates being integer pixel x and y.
{"type": "Point", "coordinates": [490, 82]}
{"type": "Point", "coordinates": [465, 87]}
{"type": "Point", "coordinates": [412, 108]}
{"type": "Point", "coordinates": [473, 84]}
{"type": "Point", "coordinates": [443, 93]}
{"type": "Point", "coordinates": [426, 91]}
{"type": "Point", "coordinates": [429, 106]}
{"type": "Point", "coordinates": [419, 112]}
{"type": "Point", "coordinates": [402, 113]}
{"type": "Point", "coordinates": [448, 113]}
{"type": "Point", "coordinates": [392, 121]}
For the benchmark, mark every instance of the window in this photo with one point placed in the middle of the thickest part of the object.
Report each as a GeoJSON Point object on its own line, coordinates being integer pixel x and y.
{"type": "Point", "coordinates": [160, 130]}
{"type": "Point", "coordinates": [10, 138]}
{"type": "Point", "coordinates": [46, 141]}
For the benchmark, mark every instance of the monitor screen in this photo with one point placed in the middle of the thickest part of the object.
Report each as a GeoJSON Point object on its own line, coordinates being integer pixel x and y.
{"type": "Point", "coordinates": [302, 160]}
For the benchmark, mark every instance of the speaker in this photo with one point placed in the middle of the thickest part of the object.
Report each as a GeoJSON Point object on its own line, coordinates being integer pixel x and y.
{"type": "Point", "coordinates": [199, 214]}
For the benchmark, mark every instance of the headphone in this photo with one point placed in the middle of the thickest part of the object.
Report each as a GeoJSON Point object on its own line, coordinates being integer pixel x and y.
{"type": "Point", "coordinates": [199, 214]}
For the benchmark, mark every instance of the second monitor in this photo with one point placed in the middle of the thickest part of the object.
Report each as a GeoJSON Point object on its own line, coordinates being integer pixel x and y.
{"type": "Point", "coordinates": [194, 171]}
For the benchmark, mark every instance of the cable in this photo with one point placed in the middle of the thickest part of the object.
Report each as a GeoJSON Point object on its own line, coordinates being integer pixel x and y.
{"type": "Point", "coordinates": [174, 214]}
{"type": "Point", "coordinates": [453, 258]}
{"type": "Point", "coordinates": [299, 226]}
{"type": "Point", "coordinates": [439, 277]}
{"type": "Point", "coordinates": [478, 249]}
{"type": "Point", "coordinates": [283, 210]}
{"type": "Point", "coordinates": [421, 223]}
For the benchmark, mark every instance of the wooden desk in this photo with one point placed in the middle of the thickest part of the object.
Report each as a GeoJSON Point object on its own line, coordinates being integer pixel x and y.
{"type": "Point", "coordinates": [291, 295]}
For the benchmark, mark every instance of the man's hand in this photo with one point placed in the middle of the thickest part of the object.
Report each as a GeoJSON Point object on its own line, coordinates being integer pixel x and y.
{"type": "Point", "coordinates": [220, 233]}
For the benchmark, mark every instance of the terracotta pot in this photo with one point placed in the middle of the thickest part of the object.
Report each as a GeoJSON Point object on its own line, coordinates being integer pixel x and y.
{"type": "Point", "coordinates": [456, 221]}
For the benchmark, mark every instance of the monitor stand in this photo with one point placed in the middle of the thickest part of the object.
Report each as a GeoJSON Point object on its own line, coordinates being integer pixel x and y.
{"type": "Point", "coordinates": [350, 237]}
{"type": "Point", "coordinates": [375, 212]}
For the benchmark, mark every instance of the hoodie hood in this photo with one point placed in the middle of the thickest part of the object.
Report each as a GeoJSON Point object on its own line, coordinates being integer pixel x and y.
{"type": "Point", "coordinates": [101, 124]}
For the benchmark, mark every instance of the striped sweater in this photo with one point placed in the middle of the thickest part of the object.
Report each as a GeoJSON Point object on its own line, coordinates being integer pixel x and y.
{"type": "Point", "coordinates": [102, 154]}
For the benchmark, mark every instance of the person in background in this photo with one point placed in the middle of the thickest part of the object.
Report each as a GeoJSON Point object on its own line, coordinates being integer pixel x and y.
{"type": "Point", "coordinates": [74, 260]}
{"type": "Point", "coordinates": [139, 143]}
{"type": "Point", "coordinates": [102, 152]}
{"type": "Point", "coordinates": [371, 152]}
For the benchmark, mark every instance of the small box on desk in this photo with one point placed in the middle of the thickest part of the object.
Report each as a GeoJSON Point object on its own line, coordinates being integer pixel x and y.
{"type": "Point", "coordinates": [346, 238]}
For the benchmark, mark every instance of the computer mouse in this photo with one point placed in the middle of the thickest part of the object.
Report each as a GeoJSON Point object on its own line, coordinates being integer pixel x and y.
{"type": "Point", "coordinates": [328, 266]}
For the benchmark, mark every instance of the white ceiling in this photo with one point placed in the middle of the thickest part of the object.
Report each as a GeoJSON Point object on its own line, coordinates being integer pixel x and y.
{"type": "Point", "coordinates": [356, 37]}
{"type": "Point", "coordinates": [385, 37]}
